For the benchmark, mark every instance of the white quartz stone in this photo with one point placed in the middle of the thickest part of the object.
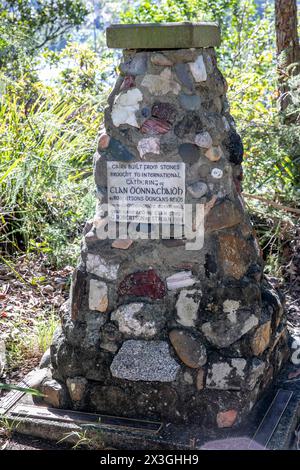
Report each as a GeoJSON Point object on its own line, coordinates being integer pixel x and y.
{"type": "Point", "coordinates": [203, 140]}
{"type": "Point", "coordinates": [219, 375]}
{"type": "Point", "coordinates": [125, 106]}
{"type": "Point", "coordinates": [148, 145]}
{"type": "Point", "coordinates": [101, 268]}
{"type": "Point", "coordinates": [161, 84]}
{"type": "Point", "coordinates": [187, 307]}
{"type": "Point", "coordinates": [198, 69]}
{"type": "Point", "coordinates": [98, 299]}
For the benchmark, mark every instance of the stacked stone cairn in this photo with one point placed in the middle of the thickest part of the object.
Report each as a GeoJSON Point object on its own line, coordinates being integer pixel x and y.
{"type": "Point", "coordinates": [152, 330]}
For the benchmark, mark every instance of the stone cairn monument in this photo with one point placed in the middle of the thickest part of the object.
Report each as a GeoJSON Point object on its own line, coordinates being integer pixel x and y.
{"type": "Point", "coordinates": [154, 330]}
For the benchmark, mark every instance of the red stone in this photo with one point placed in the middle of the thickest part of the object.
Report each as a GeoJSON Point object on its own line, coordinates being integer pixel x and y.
{"type": "Point", "coordinates": [155, 126]}
{"type": "Point", "coordinates": [128, 82]}
{"type": "Point", "coordinates": [143, 284]}
{"type": "Point", "coordinates": [164, 111]}
{"type": "Point", "coordinates": [225, 419]}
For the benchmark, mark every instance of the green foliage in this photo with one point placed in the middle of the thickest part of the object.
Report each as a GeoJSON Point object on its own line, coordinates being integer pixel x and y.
{"type": "Point", "coordinates": [45, 20]}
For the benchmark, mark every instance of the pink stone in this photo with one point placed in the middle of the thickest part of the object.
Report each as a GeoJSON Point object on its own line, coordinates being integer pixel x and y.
{"type": "Point", "coordinates": [143, 284]}
{"type": "Point", "coordinates": [128, 82]}
{"type": "Point", "coordinates": [155, 126]}
{"type": "Point", "coordinates": [225, 419]}
{"type": "Point", "coordinates": [103, 142]}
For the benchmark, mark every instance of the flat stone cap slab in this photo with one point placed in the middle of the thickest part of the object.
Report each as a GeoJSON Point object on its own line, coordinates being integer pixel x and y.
{"type": "Point", "coordinates": [163, 35]}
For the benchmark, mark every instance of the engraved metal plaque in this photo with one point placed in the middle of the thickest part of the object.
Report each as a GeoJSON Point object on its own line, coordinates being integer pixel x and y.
{"type": "Point", "coordinates": [146, 192]}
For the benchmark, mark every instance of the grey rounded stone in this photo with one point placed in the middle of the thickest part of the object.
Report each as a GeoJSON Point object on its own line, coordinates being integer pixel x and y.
{"type": "Point", "coordinates": [183, 74]}
{"type": "Point", "coordinates": [190, 102]}
{"type": "Point", "coordinates": [197, 189]}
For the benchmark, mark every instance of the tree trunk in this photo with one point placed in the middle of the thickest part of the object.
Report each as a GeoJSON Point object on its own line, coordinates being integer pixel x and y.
{"type": "Point", "coordinates": [287, 42]}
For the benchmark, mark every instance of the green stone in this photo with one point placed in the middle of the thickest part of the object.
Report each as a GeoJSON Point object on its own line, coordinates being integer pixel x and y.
{"type": "Point", "coordinates": [163, 35]}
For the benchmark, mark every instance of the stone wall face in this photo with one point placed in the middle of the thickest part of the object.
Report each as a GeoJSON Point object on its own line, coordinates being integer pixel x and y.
{"type": "Point", "coordinates": [153, 330]}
